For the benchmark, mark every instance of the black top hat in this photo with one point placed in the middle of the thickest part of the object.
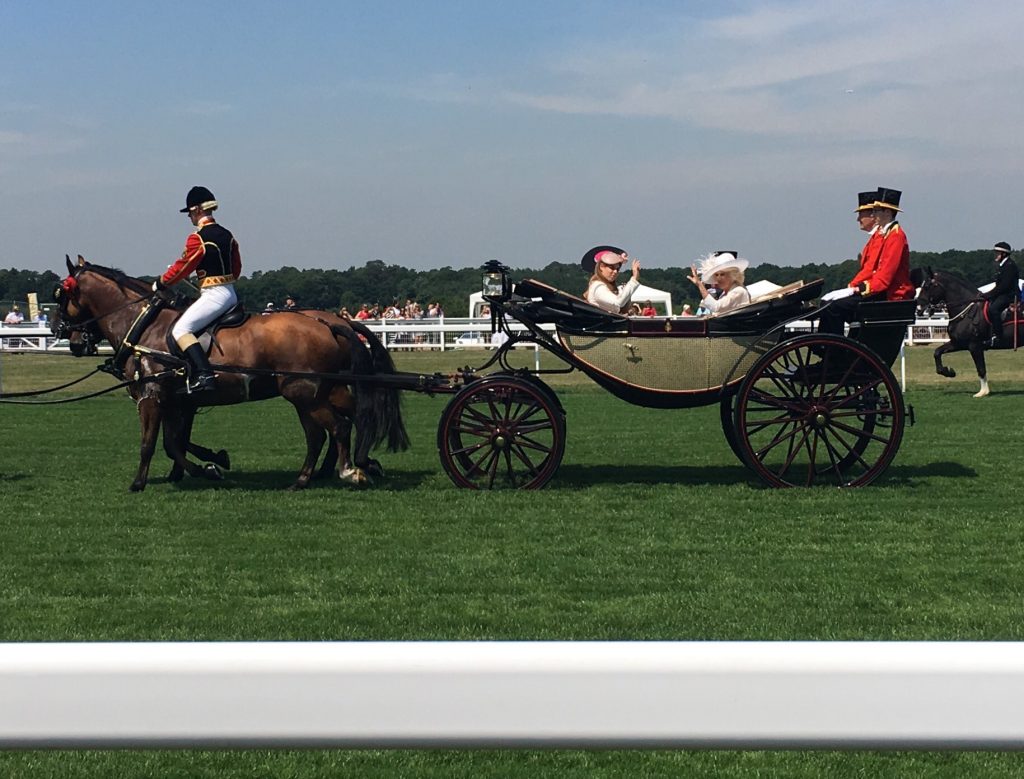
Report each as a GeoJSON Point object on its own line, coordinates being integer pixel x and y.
{"type": "Point", "coordinates": [866, 200]}
{"type": "Point", "coordinates": [201, 197]}
{"type": "Point", "coordinates": [1003, 247]}
{"type": "Point", "coordinates": [590, 258]}
{"type": "Point", "coordinates": [888, 198]}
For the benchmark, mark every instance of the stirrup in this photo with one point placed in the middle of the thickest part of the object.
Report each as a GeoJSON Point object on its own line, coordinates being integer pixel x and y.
{"type": "Point", "coordinates": [205, 382]}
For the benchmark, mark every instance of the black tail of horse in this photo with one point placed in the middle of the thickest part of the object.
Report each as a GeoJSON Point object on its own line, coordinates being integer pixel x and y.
{"type": "Point", "coordinates": [378, 407]}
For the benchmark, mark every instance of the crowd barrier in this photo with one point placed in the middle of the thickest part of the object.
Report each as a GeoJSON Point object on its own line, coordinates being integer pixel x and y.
{"type": "Point", "coordinates": [715, 695]}
{"type": "Point", "coordinates": [414, 334]}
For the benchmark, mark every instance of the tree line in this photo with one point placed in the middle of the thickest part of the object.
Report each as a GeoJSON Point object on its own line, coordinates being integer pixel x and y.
{"type": "Point", "coordinates": [380, 282]}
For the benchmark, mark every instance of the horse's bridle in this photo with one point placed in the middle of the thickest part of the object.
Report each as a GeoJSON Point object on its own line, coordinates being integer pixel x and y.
{"type": "Point", "coordinates": [63, 327]}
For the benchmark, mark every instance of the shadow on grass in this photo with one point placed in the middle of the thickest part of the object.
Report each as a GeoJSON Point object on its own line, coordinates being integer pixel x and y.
{"type": "Point", "coordinates": [575, 476]}
{"type": "Point", "coordinates": [582, 475]}
{"type": "Point", "coordinates": [942, 470]}
{"type": "Point", "coordinates": [281, 480]}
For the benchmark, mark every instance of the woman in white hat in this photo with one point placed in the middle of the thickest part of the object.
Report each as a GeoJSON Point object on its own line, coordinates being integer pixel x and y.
{"type": "Point", "coordinates": [604, 263]}
{"type": "Point", "coordinates": [725, 271]}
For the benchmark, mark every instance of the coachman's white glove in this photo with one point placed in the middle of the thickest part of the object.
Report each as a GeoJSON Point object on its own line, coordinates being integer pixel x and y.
{"type": "Point", "coordinates": [838, 294]}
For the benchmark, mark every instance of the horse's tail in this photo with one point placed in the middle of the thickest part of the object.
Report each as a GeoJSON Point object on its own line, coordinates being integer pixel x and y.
{"type": "Point", "coordinates": [377, 405]}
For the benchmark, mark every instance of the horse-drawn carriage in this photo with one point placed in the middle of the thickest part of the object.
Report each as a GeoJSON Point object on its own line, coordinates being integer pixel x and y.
{"type": "Point", "coordinates": [797, 409]}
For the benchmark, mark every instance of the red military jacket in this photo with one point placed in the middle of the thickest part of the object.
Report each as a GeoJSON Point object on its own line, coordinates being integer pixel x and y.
{"type": "Point", "coordinates": [865, 271]}
{"type": "Point", "coordinates": [212, 252]}
{"type": "Point", "coordinates": [885, 264]}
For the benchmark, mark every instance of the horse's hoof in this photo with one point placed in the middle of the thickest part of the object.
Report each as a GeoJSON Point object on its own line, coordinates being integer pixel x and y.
{"type": "Point", "coordinates": [223, 459]}
{"type": "Point", "coordinates": [375, 469]}
{"type": "Point", "coordinates": [212, 472]}
{"type": "Point", "coordinates": [138, 486]}
{"type": "Point", "coordinates": [983, 393]}
{"type": "Point", "coordinates": [176, 475]}
{"type": "Point", "coordinates": [356, 477]}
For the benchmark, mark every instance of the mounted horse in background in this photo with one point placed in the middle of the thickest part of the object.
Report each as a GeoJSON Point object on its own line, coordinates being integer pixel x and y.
{"type": "Point", "coordinates": [295, 357]}
{"type": "Point", "coordinates": [969, 327]}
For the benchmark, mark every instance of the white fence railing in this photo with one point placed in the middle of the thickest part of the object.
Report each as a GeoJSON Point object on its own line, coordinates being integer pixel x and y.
{"type": "Point", "coordinates": [738, 695]}
{"type": "Point", "coordinates": [412, 334]}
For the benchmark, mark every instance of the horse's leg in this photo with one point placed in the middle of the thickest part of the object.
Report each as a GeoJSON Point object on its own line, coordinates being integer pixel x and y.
{"type": "Point", "coordinates": [150, 415]}
{"type": "Point", "coordinates": [177, 424]}
{"type": "Point", "coordinates": [219, 458]}
{"type": "Point", "coordinates": [344, 406]}
{"type": "Point", "coordinates": [337, 451]}
{"type": "Point", "coordinates": [177, 471]}
{"type": "Point", "coordinates": [977, 349]}
{"type": "Point", "coordinates": [314, 443]}
{"type": "Point", "coordinates": [946, 348]}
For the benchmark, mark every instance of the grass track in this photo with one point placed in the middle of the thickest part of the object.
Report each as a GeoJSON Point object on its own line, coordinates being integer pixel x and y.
{"type": "Point", "coordinates": [650, 530]}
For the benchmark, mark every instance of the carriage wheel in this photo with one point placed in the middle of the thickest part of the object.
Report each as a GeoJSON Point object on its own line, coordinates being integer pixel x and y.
{"type": "Point", "coordinates": [819, 409]}
{"type": "Point", "coordinates": [502, 432]}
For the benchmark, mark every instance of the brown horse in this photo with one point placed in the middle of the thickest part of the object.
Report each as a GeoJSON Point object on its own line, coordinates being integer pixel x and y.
{"type": "Point", "coordinates": [295, 357]}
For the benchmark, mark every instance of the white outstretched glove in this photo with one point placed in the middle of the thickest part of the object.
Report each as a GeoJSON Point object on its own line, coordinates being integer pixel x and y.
{"type": "Point", "coordinates": [838, 294]}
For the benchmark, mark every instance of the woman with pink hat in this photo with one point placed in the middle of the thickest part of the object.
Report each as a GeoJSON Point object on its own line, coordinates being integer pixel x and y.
{"type": "Point", "coordinates": [725, 271]}
{"type": "Point", "coordinates": [604, 263]}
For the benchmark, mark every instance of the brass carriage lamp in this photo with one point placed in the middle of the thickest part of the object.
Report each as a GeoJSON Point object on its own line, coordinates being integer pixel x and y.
{"type": "Point", "coordinates": [495, 282]}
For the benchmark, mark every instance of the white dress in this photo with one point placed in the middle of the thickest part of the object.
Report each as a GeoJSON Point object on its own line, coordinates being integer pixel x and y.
{"type": "Point", "coordinates": [734, 298]}
{"type": "Point", "coordinates": [599, 294]}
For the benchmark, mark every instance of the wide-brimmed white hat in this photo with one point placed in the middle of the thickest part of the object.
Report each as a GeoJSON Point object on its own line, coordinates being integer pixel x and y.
{"type": "Point", "coordinates": [717, 261]}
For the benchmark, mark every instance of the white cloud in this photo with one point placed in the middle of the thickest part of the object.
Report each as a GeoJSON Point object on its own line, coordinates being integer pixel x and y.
{"type": "Point", "coordinates": [916, 70]}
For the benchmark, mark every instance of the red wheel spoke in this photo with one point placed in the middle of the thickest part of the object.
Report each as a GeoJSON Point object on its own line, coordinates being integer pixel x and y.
{"type": "Point", "coordinates": [470, 449]}
{"type": "Point", "coordinates": [529, 443]}
{"type": "Point", "coordinates": [518, 452]}
{"type": "Point", "coordinates": [859, 433]}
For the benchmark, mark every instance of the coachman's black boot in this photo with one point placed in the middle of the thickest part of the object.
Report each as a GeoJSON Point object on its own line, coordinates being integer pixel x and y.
{"type": "Point", "coordinates": [200, 374]}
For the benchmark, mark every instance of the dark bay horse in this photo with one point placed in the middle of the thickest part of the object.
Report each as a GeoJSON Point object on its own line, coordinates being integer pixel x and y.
{"type": "Point", "coordinates": [968, 327]}
{"type": "Point", "coordinates": [291, 357]}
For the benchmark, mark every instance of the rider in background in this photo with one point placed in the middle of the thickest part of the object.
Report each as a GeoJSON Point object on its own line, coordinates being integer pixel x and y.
{"type": "Point", "coordinates": [212, 252]}
{"type": "Point", "coordinates": [884, 272]}
{"type": "Point", "coordinates": [1005, 291]}
{"type": "Point", "coordinates": [604, 264]}
{"type": "Point", "coordinates": [725, 271]}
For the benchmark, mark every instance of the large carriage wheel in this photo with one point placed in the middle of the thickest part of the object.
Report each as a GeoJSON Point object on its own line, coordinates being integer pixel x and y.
{"type": "Point", "coordinates": [819, 409]}
{"type": "Point", "coordinates": [502, 432]}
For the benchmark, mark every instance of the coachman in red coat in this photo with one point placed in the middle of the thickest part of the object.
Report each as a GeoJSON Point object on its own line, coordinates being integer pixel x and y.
{"type": "Point", "coordinates": [885, 267]}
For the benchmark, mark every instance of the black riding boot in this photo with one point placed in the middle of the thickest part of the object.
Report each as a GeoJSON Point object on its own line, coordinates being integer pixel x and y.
{"type": "Point", "coordinates": [200, 374]}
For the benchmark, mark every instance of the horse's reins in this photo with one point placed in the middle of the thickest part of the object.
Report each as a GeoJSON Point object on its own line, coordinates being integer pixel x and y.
{"type": "Point", "coordinates": [6, 397]}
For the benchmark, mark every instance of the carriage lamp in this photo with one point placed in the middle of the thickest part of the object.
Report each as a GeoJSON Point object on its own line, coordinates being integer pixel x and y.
{"type": "Point", "coordinates": [495, 280]}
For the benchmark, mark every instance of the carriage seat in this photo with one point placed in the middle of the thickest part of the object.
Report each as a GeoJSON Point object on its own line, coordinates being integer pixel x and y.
{"type": "Point", "coordinates": [543, 304]}
{"type": "Point", "coordinates": [780, 292]}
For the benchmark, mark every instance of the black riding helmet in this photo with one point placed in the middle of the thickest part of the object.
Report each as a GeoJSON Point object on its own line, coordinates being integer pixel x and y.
{"type": "Point", "coordinates": [199, 197]}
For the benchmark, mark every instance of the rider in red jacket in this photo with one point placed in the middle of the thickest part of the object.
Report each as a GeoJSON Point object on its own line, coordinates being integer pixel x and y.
{"type": "Point", "coordinates": [212, 252]}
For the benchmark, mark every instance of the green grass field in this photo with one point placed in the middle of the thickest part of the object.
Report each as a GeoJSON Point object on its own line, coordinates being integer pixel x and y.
{"type": "Point", "coordinates": [650, 530]}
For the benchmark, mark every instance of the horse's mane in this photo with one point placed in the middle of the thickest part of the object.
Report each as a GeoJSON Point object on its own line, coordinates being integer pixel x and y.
{"type": "Point", "coordinates": [948, 274]}
{"type": "Point", "coordinates": [120, 278]}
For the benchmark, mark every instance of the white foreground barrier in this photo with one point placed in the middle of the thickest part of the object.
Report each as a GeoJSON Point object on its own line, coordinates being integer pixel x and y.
{"type": "Point", "coordinates": [512, 694]}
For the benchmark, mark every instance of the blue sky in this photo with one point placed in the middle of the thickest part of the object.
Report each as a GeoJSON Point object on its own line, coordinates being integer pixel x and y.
{"type": "Point", "coordinates": [448, 133]}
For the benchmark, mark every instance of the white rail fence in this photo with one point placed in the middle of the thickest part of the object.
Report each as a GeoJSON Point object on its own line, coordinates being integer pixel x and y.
{"type": "Point", "coordinates": [743, 695]}
{"type": "Point", "coordinates": [440, 334]}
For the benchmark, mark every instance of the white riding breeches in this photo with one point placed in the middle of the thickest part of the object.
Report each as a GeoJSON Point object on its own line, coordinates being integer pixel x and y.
{"type": "Point", "coordinates": [213, 301]}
